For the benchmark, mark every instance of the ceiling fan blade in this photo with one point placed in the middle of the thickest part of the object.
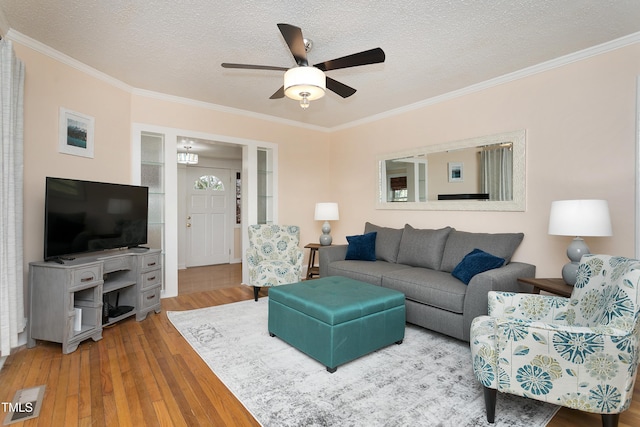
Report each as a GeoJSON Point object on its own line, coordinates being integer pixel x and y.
{"type": "Point", "coordinates": [293, 36]}
{"type": "Point", "coordinates": [252, 67]}
{"type": "Point", "coordinates": [340, 88]}
{"type": "Point", "coordinates": [372, 56]}
{"type": "Point", "coordinates": [278, 94]}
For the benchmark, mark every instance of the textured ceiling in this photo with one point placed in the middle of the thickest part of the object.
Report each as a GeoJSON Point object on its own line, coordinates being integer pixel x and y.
{"type": "Point", "coordinates": [432, 46]}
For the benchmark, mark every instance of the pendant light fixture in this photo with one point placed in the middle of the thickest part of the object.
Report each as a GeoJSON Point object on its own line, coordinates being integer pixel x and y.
{"type": "Point", "coordinates": [187, 158]}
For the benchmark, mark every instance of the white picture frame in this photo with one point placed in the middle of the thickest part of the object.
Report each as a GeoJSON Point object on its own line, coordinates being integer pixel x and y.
{"type": "Point", "coordinates": [456, 172]}
{"type": "Point", "coordinates": [75, 133]}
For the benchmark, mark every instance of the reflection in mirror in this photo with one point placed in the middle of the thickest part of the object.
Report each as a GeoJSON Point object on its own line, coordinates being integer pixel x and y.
{"type": "Point", "coordinates": [485, 173]}
{"type": "Point", "coordinates": [406, 180]}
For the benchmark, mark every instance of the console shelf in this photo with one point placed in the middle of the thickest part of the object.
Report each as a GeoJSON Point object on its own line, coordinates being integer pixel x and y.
{"type": "Point", "coordinates": [69, 302]}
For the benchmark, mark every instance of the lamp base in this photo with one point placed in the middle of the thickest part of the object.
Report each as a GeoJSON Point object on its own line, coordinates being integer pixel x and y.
{"type": "Point", "coordinates": [570, 273]}
{"type": "Point", "coordinates": [575, 251]}
{"type": "Point", "coordinates": [325, 238]}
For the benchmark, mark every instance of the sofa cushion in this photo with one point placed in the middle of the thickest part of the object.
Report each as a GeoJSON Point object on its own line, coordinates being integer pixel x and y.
{"type": "Point", "coordinates": [365, 271]}
{"type": "Point", "coordinates": [422, 248]}
{"type": "Point", "coordinates": [362, 247]}
{"type": "Point", "coordinates": [430, 287]}
{"type": "Point", "coordinates": [460, 243]}
{"type": "Point", "coordinates": [387, 241]}
{"type": "Point", "coordinates": [476, 262]}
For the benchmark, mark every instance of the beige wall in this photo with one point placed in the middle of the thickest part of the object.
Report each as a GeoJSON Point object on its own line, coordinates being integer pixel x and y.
{"type": "Point", "coordinates": [302, 153]}
{"type": "Point", "coordinates": [50, 85]}
{"type": "Point", "coordinates": [580, 121]}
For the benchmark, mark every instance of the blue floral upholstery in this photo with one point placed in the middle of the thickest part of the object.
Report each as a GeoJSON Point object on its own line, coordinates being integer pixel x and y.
{"type": "Point", "coordinates": [274, 257]}
{"type": "Point", "coordinates": [580, 352]}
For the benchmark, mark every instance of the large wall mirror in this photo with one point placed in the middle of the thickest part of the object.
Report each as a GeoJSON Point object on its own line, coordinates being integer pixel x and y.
{"type": "Point", "coordinates": [484, 174]}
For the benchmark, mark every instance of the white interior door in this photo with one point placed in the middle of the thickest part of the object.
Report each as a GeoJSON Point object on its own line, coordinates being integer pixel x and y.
{"type": "Point", "coordinates": [208, 194]}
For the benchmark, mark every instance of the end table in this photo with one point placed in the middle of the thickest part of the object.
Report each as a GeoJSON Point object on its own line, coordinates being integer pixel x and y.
{"type": "Point", "coordinates": [312, 268]}
{"type": "Point", "coordinates": [554, 286]}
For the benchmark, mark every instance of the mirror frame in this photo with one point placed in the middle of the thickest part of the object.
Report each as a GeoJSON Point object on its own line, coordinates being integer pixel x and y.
{"type": "Point", "coordinates": [518, 204]}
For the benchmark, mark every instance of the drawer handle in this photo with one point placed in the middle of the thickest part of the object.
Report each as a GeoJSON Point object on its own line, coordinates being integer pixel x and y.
{"type": "Point", "coordinates": [151, 264]}
{"type": "Point", "coordinates": [151, 296]}
{"type": "Point", "coordinates": [86, 279]}
{"type": "Point", "coordinates": [151, 278]}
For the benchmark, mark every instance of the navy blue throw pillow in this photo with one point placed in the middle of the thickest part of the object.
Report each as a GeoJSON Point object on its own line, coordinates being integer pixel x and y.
{"type": "Point", "coordinates": [362, 247]}
{"type": "Point", "coordinates": [476, 261]}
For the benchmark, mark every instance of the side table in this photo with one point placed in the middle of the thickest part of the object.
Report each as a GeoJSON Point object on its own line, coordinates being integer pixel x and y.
{"type": "Point", "coordinates": [312, 268]}
{"type": "Point", "coordinates": [554, 286]}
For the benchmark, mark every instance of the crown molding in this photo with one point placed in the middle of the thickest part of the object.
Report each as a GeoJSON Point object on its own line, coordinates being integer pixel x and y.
{"type": "Point", "coordinates": [525, 72]}
{"type": "Point", "coordinates": [516, 75]}
{"type": "Point", "coordinates": [65, 59]}
{"type": "Point", "coordinates": [224, 109]}
{"type": "Point", "coordinates": [42, 48]}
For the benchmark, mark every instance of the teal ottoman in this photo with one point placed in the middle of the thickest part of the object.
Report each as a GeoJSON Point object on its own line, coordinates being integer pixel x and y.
{"type": "Point", "coordinates": [336, 319]}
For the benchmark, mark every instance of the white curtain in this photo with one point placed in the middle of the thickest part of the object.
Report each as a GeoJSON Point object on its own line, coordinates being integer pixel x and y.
{"type": "Point", "coordinates": [497, 172]}
{"type": "Point", "coordinates": [12, 320]}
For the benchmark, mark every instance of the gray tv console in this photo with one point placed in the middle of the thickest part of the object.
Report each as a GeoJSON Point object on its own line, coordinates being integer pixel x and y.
{"type": "Point", "coordinates": [66, 300]}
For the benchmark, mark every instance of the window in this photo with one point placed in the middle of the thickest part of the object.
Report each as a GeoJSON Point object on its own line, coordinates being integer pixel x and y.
{"type": "Point", "coordinates": [399, 191]}
{"type": "Point", "coordinates": [208, 182]}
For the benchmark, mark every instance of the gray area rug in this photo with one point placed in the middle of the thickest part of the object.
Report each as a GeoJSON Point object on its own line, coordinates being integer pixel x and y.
{"type": "Point", "coordinates": [425, 381]}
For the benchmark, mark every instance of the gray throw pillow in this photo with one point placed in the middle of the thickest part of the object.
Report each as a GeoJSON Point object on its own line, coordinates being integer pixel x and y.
{"type": "Point", "coordinates": [387, 241]}
{"type": "Point", "coordinates": [460, 243]}
{"type": "Point", "coordinates": [423, 248]}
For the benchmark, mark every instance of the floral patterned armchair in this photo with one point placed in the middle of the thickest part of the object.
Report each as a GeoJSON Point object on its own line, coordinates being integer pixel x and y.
{"type": "Point", "coordinates": [580, 352]}
{"type": "Point", "coordinates": [273, 257]}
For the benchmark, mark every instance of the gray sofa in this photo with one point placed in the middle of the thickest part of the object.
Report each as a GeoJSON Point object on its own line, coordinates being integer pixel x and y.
{"type": "Point", "coordinates": [419, 263]}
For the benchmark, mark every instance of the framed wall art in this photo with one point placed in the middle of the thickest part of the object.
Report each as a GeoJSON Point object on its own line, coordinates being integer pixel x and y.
{"type": "Point", "coordinates": [456, 172]}
{"type": "Point", "coordinates": [75, 133]}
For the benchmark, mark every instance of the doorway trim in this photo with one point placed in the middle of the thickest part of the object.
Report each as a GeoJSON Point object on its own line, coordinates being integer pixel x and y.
{"type": "Point", "coordinates": [249, 213]}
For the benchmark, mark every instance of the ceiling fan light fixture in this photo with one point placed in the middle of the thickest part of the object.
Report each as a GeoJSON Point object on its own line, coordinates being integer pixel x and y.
{"type": "Point", "coordinates": [305, 84]}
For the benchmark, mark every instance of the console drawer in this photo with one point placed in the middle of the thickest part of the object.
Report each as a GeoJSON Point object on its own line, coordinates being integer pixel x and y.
{"type": "Point", "coordinates": [151, 278]}
{"type": "Point", "coordinates": [150, 298]}
{"type": "Point", "coordinates": [149, 262]}
{"type": "Point", "coordinates": [86, 275]}
{"type": "Point", "coordinates": [117, 264]}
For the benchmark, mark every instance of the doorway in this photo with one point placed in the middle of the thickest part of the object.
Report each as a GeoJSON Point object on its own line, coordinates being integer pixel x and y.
{"type": "Point", "coordinates": [251, 193]}
{"type": "Point", "coordinates": [208, 193]}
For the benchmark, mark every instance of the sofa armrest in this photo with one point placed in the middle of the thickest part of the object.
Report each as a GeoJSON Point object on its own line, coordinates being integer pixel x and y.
{"type": "Point", "coordinates": [328, 254]}
{"type": "Point", "coordinates": [504, 279]}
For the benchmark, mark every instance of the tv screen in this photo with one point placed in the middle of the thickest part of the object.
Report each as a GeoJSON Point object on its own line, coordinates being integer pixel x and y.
{"type": "Point", "coordinates": [86, 216]}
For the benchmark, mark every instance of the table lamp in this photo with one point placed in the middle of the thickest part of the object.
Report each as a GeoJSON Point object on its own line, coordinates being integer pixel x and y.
{"type": "Point", "coordinates": [326, 212]}
{"type": "Point", "coordinates": [578, 218]}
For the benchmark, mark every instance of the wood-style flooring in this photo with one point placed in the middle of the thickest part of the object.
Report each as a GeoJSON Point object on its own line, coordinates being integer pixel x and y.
{"type": "Point", "coordinates": [144, 373]}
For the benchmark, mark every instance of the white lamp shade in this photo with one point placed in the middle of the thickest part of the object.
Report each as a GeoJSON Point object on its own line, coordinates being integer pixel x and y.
{"type": "Point", "coordinates": [580, 218]}
{"type": "Point", "coordinates": [326, 212]}
{"type": "Point", "coordinates": [309, 80]}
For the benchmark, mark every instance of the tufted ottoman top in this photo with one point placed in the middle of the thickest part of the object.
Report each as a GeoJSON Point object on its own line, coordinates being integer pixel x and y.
{"type": "Point", "coordinates": [335, 299]}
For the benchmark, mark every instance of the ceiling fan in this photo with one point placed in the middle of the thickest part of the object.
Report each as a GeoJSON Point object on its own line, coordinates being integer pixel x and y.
{"type": "Point", "coordinates": [309, 82]}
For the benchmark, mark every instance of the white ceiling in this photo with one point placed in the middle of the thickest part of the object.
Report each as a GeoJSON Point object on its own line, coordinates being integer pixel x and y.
{"type": "Point", "coordinates": [432, 47]}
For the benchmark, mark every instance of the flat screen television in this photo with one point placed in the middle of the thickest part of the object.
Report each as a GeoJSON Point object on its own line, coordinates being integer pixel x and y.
{"type": "Point", "coordinates": [86, 216]}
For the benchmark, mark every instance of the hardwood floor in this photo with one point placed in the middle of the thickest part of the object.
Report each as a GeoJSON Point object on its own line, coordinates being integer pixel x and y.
{"type": "Point", "coordinates": [209, 278]}
{"type": "Point", "coordinates": [143, 373]}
